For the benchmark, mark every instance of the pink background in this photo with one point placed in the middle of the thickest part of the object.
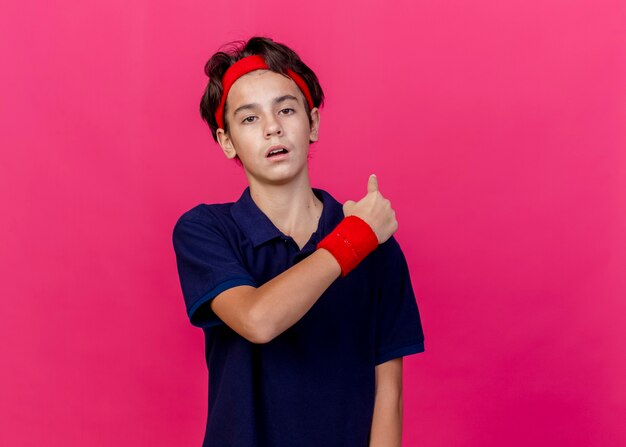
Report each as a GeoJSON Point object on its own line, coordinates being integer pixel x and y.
{"type": "Point", "coordinates": [497, 129]}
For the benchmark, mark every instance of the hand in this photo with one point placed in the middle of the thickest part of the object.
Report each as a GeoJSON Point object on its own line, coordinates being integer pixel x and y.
{"type": "Point", "coordinates": [375, 210]}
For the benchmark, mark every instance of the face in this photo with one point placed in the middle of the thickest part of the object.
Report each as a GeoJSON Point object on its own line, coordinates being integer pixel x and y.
{"type": "Point", "coordinates": [266, 110]}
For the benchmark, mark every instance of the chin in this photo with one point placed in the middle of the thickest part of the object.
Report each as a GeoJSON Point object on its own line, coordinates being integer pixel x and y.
{"type": "Point", "coordinates": [283, 178]}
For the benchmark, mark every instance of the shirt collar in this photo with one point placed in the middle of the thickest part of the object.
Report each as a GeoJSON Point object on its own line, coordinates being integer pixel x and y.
{"type": "Point", "coordinates": [259, 228]}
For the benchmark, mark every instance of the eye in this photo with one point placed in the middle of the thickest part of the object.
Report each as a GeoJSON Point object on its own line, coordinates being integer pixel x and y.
{"type": "Point", "coordinates": [288, 111]}
{"type": "Point", "coordinates": [248, 119]}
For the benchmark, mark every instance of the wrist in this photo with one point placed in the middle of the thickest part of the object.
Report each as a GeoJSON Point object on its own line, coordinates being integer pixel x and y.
{"type": "Point", "coordinates": [350, 242]}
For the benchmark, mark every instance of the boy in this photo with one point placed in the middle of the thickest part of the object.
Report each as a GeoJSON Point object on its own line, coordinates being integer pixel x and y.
{"type": "Point", "coordinates": [306, 304]}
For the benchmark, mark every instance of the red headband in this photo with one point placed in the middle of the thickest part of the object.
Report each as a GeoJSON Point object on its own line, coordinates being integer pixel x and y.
{"type": "Point", "coordinates": [246, 65]}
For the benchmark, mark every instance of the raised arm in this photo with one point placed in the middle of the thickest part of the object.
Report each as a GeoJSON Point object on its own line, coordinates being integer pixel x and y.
{"type": "Point", "coordinates": [260, 314]}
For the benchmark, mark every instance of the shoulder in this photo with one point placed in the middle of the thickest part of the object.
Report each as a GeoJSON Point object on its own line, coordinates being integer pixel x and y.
{"type": "Point", "coordinates": [208, 216]}
{"type": "Point", "coordinates": [389, 257]}
{"type": "Point", "coordinates": [389, 249]}
{"type": "Point", "coordinates": [206, 212]}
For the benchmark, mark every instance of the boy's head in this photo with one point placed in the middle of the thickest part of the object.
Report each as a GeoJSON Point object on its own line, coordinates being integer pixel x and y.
{"type": "Point", "coordinates": [277, 57]}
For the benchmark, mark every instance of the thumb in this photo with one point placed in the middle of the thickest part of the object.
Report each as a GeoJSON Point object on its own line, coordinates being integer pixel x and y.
{"type": "Point", "coordinates": [347, 207]}
{"type": "Point", "coordinates": [372, 184]}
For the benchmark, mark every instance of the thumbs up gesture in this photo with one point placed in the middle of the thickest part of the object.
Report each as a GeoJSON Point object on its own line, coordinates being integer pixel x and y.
{"type": "Point", "coordinates": [375, 210]}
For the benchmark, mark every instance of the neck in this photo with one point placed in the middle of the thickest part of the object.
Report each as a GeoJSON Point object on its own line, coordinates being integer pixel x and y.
{"type": "Point", "coordinates": [292, 207]}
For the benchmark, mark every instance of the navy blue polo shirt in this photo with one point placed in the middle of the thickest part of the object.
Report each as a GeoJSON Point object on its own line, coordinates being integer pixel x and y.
{"type": "Point", "coordinates": [313, 385]}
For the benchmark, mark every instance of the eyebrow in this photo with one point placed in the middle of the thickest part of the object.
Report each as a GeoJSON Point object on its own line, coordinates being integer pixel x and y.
{"type": "Point", "coordinates": [277, 100]}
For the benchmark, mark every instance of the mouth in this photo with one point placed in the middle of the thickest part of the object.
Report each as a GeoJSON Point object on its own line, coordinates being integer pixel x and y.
{"type": "Point", "coordinates": [276, 151]}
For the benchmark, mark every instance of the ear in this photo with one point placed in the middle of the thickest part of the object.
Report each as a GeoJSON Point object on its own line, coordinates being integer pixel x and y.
{"type": "Point", "coordinates": [226, 143]}
{"type": "Point", "coordinates": [315, 124]}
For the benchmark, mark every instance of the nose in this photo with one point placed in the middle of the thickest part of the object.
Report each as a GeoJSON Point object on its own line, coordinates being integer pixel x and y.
{"type": "Point", "coordinates": [272, 127]}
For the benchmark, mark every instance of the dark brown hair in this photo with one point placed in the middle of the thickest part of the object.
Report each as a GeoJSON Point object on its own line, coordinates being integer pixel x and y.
{"type": "Point", "coordinates": [278, 58]}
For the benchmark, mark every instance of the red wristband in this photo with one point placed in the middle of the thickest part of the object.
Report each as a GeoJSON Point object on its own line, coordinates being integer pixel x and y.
{"type": "Point", "coordinates": [350, 242]}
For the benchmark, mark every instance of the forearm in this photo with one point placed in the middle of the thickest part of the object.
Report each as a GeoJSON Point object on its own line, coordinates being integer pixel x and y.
{"type": "Point", "coordinates": [281, 302]}
{"type": "Point", "coordinates": [386, 428]}
{"type": "Point", "coordinates": [260, 314]}
{"type": "Point", "coordinates": [387, 422]}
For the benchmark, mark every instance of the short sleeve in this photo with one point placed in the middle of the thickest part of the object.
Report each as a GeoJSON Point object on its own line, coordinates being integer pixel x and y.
{"type": "Point", "coordinates": [207, 266]}
{"type": "Point", "coordinates": [398, 324]}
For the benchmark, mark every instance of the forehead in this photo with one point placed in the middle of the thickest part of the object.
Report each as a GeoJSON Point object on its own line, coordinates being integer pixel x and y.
{"type": "Point", "coordinates": [260, 86]}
